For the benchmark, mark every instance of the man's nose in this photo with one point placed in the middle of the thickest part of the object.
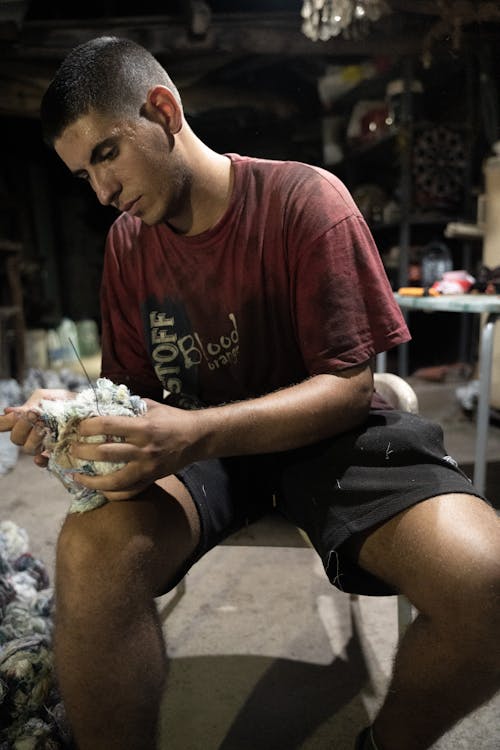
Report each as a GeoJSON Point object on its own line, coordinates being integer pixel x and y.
{"type": "Point", "coordinates": [106, 190]}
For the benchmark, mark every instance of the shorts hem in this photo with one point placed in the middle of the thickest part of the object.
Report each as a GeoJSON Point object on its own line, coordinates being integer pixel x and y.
{"type": "Point", "coordinates": [353, 579]}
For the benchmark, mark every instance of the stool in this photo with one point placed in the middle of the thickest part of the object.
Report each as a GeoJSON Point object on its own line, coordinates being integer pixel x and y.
{"type": "Point", "coordinates": [400, 395]}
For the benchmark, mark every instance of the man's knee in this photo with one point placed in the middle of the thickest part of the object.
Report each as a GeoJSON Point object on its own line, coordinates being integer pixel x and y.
{"type": "Point", "coordinates": [470, 614]}
{"type": "Point", "coordinates": [103, 559]}
{"type": "Point", "coordinates": [96, 558]}
{"type": "Point", "coordinates": [467, 582]}
{"type": "Point", "coordinates": [138, 546]}
{"type": "Point", "coordinates": [443, 554]}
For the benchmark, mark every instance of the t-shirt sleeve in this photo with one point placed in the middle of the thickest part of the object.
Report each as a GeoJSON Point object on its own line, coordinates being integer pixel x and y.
{"type": "Point", "coordinates": [345, 312]}
{"type": "Point", "coordinates": [124, 356]}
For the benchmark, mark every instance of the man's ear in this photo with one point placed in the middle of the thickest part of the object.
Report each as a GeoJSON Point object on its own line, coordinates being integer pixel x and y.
{"type": "Point", "coordinates": [162, 106]}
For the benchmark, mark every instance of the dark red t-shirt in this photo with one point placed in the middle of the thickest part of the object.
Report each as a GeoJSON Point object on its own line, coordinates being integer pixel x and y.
{"type": "Point", "coordinates": [287, 284]}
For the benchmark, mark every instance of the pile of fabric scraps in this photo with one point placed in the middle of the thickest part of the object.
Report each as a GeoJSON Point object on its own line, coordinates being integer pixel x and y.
{"type": "Point", "coordinates": [10, 395]}
{"type": "Point", "coordinates": [60, 420]}
{"type": "Point", "coordinates": [64, 378]}
{"type": "Point", "coordinates": [31, 713]}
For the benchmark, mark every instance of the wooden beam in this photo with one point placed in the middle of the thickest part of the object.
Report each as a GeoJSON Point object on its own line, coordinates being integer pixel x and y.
{"type": "Point", "coordinates": [246, 33]}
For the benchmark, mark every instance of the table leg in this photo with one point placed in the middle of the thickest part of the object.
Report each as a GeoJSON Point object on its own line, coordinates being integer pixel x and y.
{"type": "Point", "coordinates": [381, 362]}
{"type": "Point", "coordinates": [483, 406]}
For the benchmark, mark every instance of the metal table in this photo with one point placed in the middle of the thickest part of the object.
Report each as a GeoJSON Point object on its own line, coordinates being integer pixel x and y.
{"type": "Point", "coordinates": [470, 303]}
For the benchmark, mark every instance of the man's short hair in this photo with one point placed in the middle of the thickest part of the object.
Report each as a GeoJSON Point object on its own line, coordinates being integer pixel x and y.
{"type": "Point", "coordinates": [109, 75]}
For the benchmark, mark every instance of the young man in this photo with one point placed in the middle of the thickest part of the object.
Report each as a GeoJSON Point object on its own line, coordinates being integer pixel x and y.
{"type": "Point", "coordinates": [247, 298]}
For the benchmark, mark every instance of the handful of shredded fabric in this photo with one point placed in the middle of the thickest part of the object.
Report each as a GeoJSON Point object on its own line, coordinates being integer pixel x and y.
{"type": "Point", "coordinates": [60, 419]}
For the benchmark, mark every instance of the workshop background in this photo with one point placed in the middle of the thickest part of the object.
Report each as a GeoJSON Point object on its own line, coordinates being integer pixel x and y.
{"type": "Point", "coordinates": [400, 100]}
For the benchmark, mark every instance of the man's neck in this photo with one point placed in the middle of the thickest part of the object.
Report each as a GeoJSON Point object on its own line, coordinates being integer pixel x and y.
{"type": "Point", "coordinates": [207, 187]}
{"type": "Point", "coordinates": [211, 192]}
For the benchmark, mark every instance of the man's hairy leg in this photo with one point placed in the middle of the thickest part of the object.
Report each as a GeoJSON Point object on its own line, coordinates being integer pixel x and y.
{"type": "Point", "coordinates": [109, 649]}
{"type": "Point", "coordinates": [444, 555]}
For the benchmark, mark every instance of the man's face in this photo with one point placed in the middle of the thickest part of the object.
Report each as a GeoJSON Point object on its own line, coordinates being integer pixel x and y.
{"type": "Point", "coordinates": [130, 164]}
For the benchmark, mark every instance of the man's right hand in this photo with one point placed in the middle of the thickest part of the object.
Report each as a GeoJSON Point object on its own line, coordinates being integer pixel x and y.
{"type": "Point", "coordinates": [24, 423]}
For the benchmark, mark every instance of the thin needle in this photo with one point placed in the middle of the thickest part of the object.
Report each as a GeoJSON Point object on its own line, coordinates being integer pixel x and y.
{"type": "Point", "coordinates": [86, 375]}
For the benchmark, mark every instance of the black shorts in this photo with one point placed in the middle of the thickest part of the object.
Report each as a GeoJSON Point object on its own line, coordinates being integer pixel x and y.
{"type": "Point", "coordinates": [332, 490]}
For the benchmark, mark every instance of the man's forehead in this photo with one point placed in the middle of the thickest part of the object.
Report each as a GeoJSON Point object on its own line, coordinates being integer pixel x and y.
{"type": "Point", "coordinates": [91, 126]}
{"type": "Point", "coordinates": [78, 140]}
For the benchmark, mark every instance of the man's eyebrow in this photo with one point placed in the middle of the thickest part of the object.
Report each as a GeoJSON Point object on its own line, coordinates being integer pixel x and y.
{"type": "Point", "coordinates": [96, 154]}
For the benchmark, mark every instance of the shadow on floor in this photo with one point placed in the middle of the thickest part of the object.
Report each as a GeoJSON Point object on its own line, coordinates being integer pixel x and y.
{"type": "Point", "coordinates": [244, 702]}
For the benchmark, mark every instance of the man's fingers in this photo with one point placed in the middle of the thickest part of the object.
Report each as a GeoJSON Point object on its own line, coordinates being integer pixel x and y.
{"type": "Point", "coordinates": [128, 478]}
{"type": "Point", "coordinates": [8, 419]}
{"type": "Point", "coordinates": [113, 451]}
{"type": "Point", "coordinates": [117, 496]}
{"type": "Point", "coordinates": [27, 431]}
{"type": "Point", "coordinates": [119, 426]}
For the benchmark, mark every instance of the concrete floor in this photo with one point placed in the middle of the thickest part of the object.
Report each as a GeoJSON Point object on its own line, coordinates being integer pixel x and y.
{"type": "Point", "coordinates": [264, 653]}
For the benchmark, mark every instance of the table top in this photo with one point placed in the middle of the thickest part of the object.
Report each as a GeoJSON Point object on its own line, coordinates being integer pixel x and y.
{"type": "Point", "coordinates": [471, 303]}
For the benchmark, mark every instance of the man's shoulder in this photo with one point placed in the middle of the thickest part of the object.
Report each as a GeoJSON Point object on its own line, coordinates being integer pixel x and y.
{"type": "Point", "coordinates": [279, 168]}
{"type": "Point", "coordinates": [128, 233]}
{"type": "Point", "coordinates": [126, 226]}
{"type": "Point", "coordinates": [293, 175]}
